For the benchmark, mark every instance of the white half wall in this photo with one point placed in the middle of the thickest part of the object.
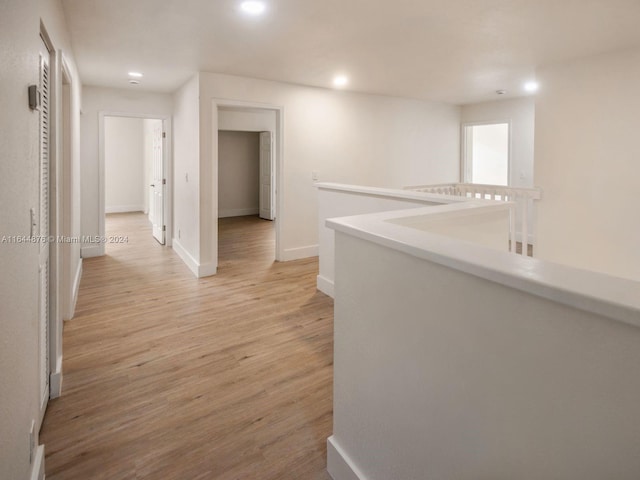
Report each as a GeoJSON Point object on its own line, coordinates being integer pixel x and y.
{"type": "Point", "coordinates": [238, 173]}
{"type": "Point", "coordinates": [587, 162]}
{"type": "Point", "coordinates": [124, 167]}
{"type": "Point", "coordinates": [335, 200]}
{"type": "Point", "coordinates": [445, 371]}
{"type": "Point", "coordinates": [344, 137]}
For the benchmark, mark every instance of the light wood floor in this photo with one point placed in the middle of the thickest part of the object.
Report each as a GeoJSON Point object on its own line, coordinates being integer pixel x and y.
{"type": "Point", "coordinates": [171, 377]}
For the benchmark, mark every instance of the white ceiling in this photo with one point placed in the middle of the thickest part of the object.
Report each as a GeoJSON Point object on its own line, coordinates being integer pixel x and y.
{"type": "Point", "coordinates": [458, 51]}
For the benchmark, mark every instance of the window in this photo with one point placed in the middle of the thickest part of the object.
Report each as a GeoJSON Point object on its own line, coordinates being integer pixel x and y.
{"type": "Point", "coordinates": [485, 157]}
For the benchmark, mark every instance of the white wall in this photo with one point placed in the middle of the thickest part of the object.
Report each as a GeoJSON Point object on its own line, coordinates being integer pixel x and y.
{"type": "Point", "coordinates": [238, 173]}
{"type": "Point", "coordinates": [186, 189]}
{"type": "Point", "coordinates": [115, 101]}
{"type": "Point", "coordinates": [521, 113]}
{"type": "Point", "coordinates": [124, 166]}
{"type": "Point", "coordinates": [19, 276]}
{"type": "Point", "coordinates": [19, 181]}
{"type": "Point", "coordinates": [443, 374]}
{"type": "Point", "coordinates": [345, 137]}
{"type": "Point", "coordinates": [246, 120]}
{"type": "Point", "coordinates": [587, 162]}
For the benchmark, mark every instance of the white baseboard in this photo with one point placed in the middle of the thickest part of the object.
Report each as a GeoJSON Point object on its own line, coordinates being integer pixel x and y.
{"type": "Point", "coordinates": [55, 382]}
{"type": "Point", "coordinates": [300, 252]}
{"type": "Point", "coordinates": [325, 285]}
{"type": "Point", "coordinates": [37, 471]}
{"type": "Point", "coordinates": [207, 269]}
{"type": "Point", "coordinates": [237, 212]}
{"type": "Point", "coordinates": [92, 251]}
{"type": "Point", "coordinates": [204, 270]}
{"type": "Point", "coordinates": [124, 208]}
{"type": "Point", "coordinates": [339, 465]}
{"type": "Point", "coordinates": [185, 256]}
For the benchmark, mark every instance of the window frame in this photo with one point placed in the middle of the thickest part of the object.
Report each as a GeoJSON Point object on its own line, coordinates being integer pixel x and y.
{"type": "Point", "coordinates": [466, 145]}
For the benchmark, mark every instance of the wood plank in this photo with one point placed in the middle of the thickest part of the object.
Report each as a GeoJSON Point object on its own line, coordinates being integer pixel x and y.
{"type": "Point", "coordinates": [171, 377]}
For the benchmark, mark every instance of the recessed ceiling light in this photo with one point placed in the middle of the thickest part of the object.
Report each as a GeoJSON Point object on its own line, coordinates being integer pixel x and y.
{"type": "Point", "coordinates": [501, 92]}
{"type": "Point", "coordinates": [253, 7]}
{"type": "Point", "coordinates": [134, 82]}
{"type": "Point", "coordinates": [135, 74]}
{"type": "Point", "coordinates": [340, 81]}
{"type": "Point", "coordinates": [531, 86]}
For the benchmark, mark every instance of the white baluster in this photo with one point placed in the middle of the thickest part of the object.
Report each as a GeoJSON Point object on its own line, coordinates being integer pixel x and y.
{"type": "Point", "coordinates": [525, 225]}
{"type": "Point", "coordinates": [512, 228]}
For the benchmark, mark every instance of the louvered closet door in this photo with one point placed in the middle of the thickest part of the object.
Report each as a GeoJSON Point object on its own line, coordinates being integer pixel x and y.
{"type": "Point", "coordinates": [43, 232]}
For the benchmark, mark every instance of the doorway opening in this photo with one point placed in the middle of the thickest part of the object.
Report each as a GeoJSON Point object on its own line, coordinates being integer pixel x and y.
{"type": "Point", "coordinates": [247, 182]}
{"type": "Point", "coordinates": [135, 174]}
{"type": "Point", "coordinates": [485, 153]}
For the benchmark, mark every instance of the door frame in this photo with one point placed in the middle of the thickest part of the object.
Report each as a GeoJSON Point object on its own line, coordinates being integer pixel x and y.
{"type": "Point", "coordinates": [272, 179]}
{"type": "Point", "coordinates": [62, 188]}
{"type": "Point", "coordinates": [218, 103]}
{"type": "Point", "coordinates": [61, 279]}
{"type": "Point", "coordinates": [167, 168]}
{"type": "Point", "coordinates": [150, 199]}
{"type": "Point", "coordinates": [52, 248]}
{"type": "Point", "coordinates": [67, 189]}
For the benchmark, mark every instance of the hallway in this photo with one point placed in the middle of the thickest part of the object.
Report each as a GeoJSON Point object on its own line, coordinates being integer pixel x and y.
{"type": "Point", "coordinates": [171, 377]}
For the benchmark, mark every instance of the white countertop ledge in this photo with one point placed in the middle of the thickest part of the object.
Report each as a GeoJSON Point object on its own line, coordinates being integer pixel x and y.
{"type": "Point", "coordinates": [392, 193]}
{"type": "Point", "coordinates": [598, 293]}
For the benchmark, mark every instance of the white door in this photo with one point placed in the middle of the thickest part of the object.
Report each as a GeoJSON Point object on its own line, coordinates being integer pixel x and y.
{"type": "Point", "coordinates": [158, 182]}
{"type": "Point", "coordinates": [267, 176]}
{"type": "Point", "coordinates": [43, 230]}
